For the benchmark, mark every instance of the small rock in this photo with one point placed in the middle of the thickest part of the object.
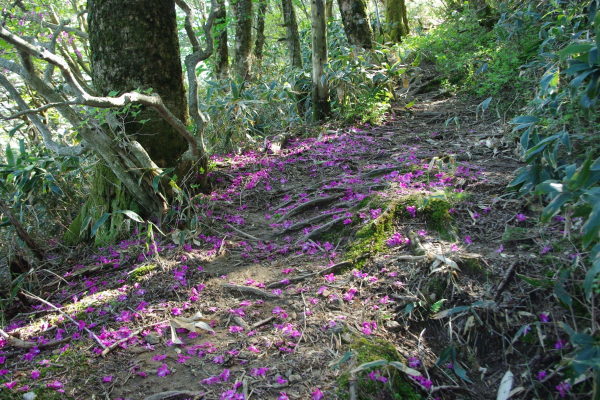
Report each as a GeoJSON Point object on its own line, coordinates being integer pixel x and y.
{"type": "Point", "coordinates": [29, 396]}
{"type": "Point", "coordinates": [392, 325]}
{"type": "Point", "coordinates": [295, 378]}
{"type": "Point", "coordinates": [152, 338]}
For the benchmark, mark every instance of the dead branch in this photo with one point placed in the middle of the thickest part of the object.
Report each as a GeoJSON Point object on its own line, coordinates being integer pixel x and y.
{"type": "Point", "coordinates": [34, 297]}
{"type": "Point", "coordinates": [22, 344]}
{"type": "Point", "coordinates": [250, 290]}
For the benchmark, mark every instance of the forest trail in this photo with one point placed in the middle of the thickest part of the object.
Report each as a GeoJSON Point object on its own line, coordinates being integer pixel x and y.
{"type": "Point", "coordinates": [418, 203]}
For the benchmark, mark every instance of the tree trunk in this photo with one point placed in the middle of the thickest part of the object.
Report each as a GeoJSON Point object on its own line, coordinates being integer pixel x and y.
{"type": "Point", "coordinates": [259, 44]}
{"type": "Point", "coordinates": [292, 36]}
{"type": "Point", "coordinates": [328, 10]}
{"type": "Point", "coordinates": [220, 35]}
{"type": "Point", "coordinates": [356, 23]}
{"type": "Point", "coordinates": [396, 19]}
{"type": "Point", "coordinates": [243, 37]}
{"type": "Point", "coordinates": [320, 90]}
{"type": "Point", "coordinates": [134, 45]}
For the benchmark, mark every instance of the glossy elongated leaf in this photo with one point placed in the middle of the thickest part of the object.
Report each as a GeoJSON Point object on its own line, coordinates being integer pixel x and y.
{"type": "Point", "coordinates": [131, 215]}
{"type": "Point", "coordinates": [99, 223]}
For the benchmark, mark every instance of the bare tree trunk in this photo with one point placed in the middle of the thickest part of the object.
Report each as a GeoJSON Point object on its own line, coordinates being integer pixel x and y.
{"type": "Point", "coordinates": [220, 34]}
{"type": "Point", "coordinates": [328, 10]}
{"type": "Point", "coordinates": [292, 35]}
{"type": "Point", "coordinates": [320, 91]}
{"type": "Point", "coordinates": [243, 37]}
{"type": "Point", "coordinates": [259, 44]}
{"type": "Point", "coordinates": [396, 19]}
{"type": "Point", "coordinates": [356, 23]}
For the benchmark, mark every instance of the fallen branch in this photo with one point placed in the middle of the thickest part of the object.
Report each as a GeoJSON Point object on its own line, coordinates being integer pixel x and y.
{"type": "Point", "coordinates": [250, 290]}
{"type": "Point", "coordinates": [507, 277]}
{"type": "Point", "coordinates": [246, 235]}
{"type": "Point", "coordinates": [261, 323]}
{"type": "Point", "coordinates": [131, 336]}
{"type": "Point", "coordinates": [22, 344]}
{"type": "Point", "coordinates": [332, 269]}
{"type": "Point", "coordinates": [92, 334]}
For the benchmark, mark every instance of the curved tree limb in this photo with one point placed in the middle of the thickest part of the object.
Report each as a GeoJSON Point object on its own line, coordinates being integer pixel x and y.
{"type": "Point", "coordinates": [85, 98]}
{"type": "Point", "coordinates": [192, 60]}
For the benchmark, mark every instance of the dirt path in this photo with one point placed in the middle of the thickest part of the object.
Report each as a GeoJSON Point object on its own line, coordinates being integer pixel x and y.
{"type": "Point", "coordinates": [268, 274]}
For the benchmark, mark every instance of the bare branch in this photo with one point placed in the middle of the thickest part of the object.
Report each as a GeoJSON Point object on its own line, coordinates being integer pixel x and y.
{"type": "Point", "coordinates": [39, 125]}
{"type": "Point", "coordinates": [37, 110]}
{"type": "Point", "coordinates": [192, 60]}
{"type": "Point", "coordinates": [153, 101]}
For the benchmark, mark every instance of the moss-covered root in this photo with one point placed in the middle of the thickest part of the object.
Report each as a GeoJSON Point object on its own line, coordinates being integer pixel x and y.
{"type": "Point", "coordinates": [396, 387]}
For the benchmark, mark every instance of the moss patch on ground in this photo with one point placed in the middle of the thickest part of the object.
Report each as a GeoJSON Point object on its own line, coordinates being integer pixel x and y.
{"type": "Point", "coordinates": [396, 387]}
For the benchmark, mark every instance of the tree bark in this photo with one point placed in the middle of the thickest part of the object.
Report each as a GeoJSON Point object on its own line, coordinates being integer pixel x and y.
{"type": "Point", "coordinates": [134, 45]}
{"type": "Point", "coordinates": [220, 35]}
{"type": "Point", "coordinates": [328, 10]}
{"type": "Point", "coordinates": [320, 90]}
{"type": "Point", "coordinates": [259, 44]}
{"type": "Point", "coordinates": [396, 19]}
{"type": "Point", "coordinates": [242, 10]}
{"type": "Point", "coordinates": [356, 23]}
{"type": "Point", "coordinates": [292, 35]}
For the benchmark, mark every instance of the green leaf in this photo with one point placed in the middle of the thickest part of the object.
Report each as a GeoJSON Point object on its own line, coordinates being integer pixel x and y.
{"type": "Point", "coordinates": [460, 372]}
{"type": "Point", "coordinates": [544, 283]}
{"type": "Point", "coordinates": [575, 48]}
{"type": "Point", "coordinates": [99, 223]}
{"type": "Point", "coordinates": [370, 365]}
{"type": "Point", "coordinates": [131, 215]}
{"type": "Point", "coordinates": [591, 228]}
{"type": "Point", "coordinates": [555, 205]}
{"type": "Point", "coordinates": [592, 273]}
{"type": "Point", "coordinates": [451, 311]}
{"type": "Point", "coordinates": [10, 155]}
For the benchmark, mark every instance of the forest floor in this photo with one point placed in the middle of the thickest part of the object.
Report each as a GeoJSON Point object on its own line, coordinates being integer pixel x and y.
{"type": "Point", "coordinates": [395, 242]}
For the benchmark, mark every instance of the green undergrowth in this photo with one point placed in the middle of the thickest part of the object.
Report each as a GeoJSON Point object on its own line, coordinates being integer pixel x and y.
{"type": "Point", "coordinates": [364, 351]}
{"type": "Point", "coordinates": [475, 59]}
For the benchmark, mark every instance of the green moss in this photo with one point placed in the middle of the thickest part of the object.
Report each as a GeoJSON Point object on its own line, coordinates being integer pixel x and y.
{"type": "Point", "coordinates": [137, 274]}
{"type": "Point", "coordinates": [370, 239]}
{"type": "Point", "coordinates": [371, 350]}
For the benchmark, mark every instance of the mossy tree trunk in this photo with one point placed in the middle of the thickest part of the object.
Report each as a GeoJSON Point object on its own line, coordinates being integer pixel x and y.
{"type": "Point", "coordinates": [133, 45]}
{"type": "Point", "coordinates": [396, 19]}
{"type": "Point", "coordinates": [259, 43]}
{"type": "Point", "coordinates": [242, 10]}
{"type": "Point", "coordinates": [356, 22]}
{"type": "Point", "coordinates": [320, 90]}
{"type": "Point", "coordinates": [220, 35]}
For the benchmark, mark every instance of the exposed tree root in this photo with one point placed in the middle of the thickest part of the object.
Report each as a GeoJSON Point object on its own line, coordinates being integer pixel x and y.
{"type": "Point", "coordinates": [309, 204]}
